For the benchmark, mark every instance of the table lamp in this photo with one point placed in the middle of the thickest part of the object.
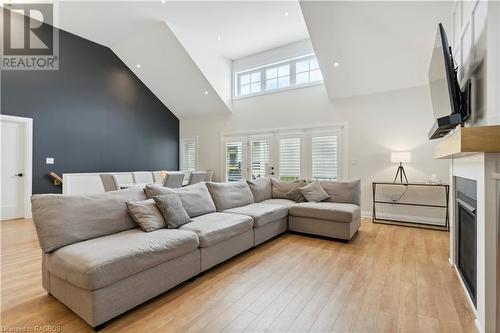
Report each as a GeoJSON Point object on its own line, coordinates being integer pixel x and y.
{"type": "Point", "coordinates": [400, 157]}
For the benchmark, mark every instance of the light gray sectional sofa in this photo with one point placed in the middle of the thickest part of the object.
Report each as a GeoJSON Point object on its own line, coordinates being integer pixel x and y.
{"type": "Point", "coordinates": [100, 264]}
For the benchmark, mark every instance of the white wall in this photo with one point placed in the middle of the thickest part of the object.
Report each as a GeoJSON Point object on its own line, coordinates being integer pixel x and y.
{"type": "Point", "coordinates": [377, 124]}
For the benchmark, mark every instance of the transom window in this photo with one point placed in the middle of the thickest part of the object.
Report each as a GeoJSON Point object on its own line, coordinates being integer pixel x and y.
{"type": "Point", "coordinates": [279, 76]}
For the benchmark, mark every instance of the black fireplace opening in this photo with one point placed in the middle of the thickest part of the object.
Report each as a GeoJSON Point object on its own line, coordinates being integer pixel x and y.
{"type": "Point", "coordinates": [466, 222]}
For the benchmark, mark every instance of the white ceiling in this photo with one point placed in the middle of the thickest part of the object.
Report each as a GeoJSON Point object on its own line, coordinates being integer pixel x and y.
{"type": "Point", "coordinates": [380, 46]}
{"type": "Point", "coordinates": [245, 27]}
{"type": "Point", "coordinates": [134, 30]}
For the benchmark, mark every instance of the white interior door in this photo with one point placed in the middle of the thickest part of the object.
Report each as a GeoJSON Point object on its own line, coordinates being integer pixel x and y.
{"type": "Point", "coordinates": [13, 174]}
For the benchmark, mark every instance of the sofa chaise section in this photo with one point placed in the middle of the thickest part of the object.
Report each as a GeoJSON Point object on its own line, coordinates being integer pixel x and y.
{"type": "Point", "coordinates": [337, 217]}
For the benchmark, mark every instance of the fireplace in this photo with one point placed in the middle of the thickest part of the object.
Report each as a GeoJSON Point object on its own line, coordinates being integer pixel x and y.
{"type": "Point", "coordinates": [465, 220]}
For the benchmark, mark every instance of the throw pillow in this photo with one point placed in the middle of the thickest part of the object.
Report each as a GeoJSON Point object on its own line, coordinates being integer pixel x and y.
{"type": "Point", "coordinates": [261, 188]}
{"type": "Point", "coordinates": [170, 206]}
{"type": "Point", "coordinates": [314, 192]}
{"type": "Point", "coordinates": [146, 214]}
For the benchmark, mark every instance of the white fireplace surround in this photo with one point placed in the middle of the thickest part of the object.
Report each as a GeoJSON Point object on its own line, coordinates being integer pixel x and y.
{"type": "Point", "coordinates": [481, 167]}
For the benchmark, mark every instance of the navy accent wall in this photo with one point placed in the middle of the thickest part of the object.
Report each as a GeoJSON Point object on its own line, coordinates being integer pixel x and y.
{"type": "Point", "coordinates": [91, 115]}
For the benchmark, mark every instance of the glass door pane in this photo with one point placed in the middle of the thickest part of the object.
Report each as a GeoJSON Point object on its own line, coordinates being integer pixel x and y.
{"type": "Point", "coordinates": [234, 161]}
{"type": "Point", "coordinates": [324, 157]}
{"type": "Point", "coordinates": [289, 158]}
{"type": "Point", "coordinates": [260, 156]}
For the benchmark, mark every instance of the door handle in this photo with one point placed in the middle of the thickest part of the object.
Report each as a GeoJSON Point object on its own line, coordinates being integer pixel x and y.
{"type": "Point", "coordinates": [19, 175]}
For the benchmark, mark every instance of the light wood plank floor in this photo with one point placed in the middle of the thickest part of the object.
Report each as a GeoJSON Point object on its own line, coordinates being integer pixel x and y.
{"type": "Point", "coordinates": [388, 279]}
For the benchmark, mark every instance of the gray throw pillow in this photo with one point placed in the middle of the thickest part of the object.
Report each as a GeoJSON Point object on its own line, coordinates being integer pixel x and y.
{"type": "Point", "coordinates": [314, 192]}
{"type": "Point", "coordinates": [288, 190]}
{"type": "Point", "coordinates": [146, 214]}
{"type": "Point", "coordinates": [261, 188]}
{"type": "Point", "coordinates": [195, 198]}
{"type": "Point", "coordinates": [170, 206]}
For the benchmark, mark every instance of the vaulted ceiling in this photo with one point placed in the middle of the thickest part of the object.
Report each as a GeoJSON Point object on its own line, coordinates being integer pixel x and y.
{"type": "Point", "coordinates": [378, 45]}
{"type": "Point", "coordinates": [185, 49]}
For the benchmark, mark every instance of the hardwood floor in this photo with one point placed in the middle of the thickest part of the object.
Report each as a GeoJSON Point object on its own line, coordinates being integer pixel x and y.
{"type": "Point", "coordinates": [388, 279]}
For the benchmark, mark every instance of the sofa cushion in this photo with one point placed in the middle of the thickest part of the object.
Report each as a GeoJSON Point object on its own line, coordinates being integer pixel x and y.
{"type": "Point", "coordinates": [282, 202]}
{"type": "Point", "coordinates": [217, 227]}
{"type": "Point", "coordinates": [231, 194]}
{"type": "Point", "coordinates": [66, 219]}
{"type": "Point", "coordinates": [288, 190]}
{"type": "Point", "coordinates": [99, 262]}
{"type": "Point", "coordinates": [343, 191]}
{"type": "Point", "coordinates": [261, 213]}
{"type": "Point", "coordinates": [314, 192]}
{"type": "Point", "coordinates": [261, 188]}
{"type": "Point", "coordinates": [195, 198]}
{"type": "Point", "coordinates": [170, 206]}
{"type": "Point", "coordinates": [146, 214]}
{"type": "Point", "coordinates": [338, 212]}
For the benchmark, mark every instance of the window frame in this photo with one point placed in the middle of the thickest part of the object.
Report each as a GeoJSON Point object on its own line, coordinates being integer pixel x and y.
{"type": "Point", "coordinates": [263, 78]}
{"type": "Point", "coordinates": [183, 152]}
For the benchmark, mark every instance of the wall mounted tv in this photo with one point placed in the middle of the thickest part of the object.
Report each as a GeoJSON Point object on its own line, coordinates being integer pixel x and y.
{"type": "Point", "coordinates": [450, 102]}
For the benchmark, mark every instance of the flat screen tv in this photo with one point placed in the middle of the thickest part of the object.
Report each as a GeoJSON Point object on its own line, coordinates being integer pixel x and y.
{"type": "Point", "coordinates": [450, 104]}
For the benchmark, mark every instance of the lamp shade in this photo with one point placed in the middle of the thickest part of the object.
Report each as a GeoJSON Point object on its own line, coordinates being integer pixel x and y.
{"type": "Point", "coordinates": [400, 157]}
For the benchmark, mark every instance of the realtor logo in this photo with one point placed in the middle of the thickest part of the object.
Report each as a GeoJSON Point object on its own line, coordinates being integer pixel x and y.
{"type": "Point", "coordinates": [30, 42]}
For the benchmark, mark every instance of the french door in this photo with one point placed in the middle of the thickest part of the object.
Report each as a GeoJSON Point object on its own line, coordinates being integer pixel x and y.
{"type": "Point", "coordinates": [309, 153]}
{"type": "Point", "coordinates": [248, 157]}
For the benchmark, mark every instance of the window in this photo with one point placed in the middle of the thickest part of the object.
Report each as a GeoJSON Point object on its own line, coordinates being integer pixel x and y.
{"type": "Point", "coordinates": [289, 162]}
{"type": "Point", "coordinates": [189, 154]}
{"type": "Point", "coordinates": [260, 157]}
{"type": "Point", "coordinates": [250, 83]}
{"type": "Point", "coordinates": [278, 77]}
{"type": "Point", "coordinates": [307, 71]}
{"type": "Point", "coordinates": [283, 75]}
{"type": "Point", "coordinates": [234, 161]}
{"type": "Point", "coordinates": [324, 157]}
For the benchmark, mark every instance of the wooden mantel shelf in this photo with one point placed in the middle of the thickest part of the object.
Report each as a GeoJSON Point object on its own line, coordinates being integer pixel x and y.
{"type": "Point", "coordinates": [468, 140]}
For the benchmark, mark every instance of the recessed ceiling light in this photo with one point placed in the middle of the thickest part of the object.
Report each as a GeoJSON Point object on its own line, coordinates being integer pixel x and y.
{"type": "Point", "coordinates": [206, 92]}
{"type": "Point", "coordinates": [163, 1]}
{"type": "Point", "coordinates": [286, 13]}
{"type": "Point", "coordinates": [336, 64]}
{"type": "Point", "coordinates": [138, 65]}
{"type": "Point", "coordinates": [219, 38]}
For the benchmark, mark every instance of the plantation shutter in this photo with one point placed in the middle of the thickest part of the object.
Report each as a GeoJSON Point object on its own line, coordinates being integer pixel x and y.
{"type": "Point", "coordinates": [234, 155]}
{"type": "Point", "coordinates": [325, 157]}
{"type": "Point", "coordinates": [189, 155]}
{"type": "Point", "coordinates": [289, 158]}
{"type": "Point", "coordinates": [260, 156]}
